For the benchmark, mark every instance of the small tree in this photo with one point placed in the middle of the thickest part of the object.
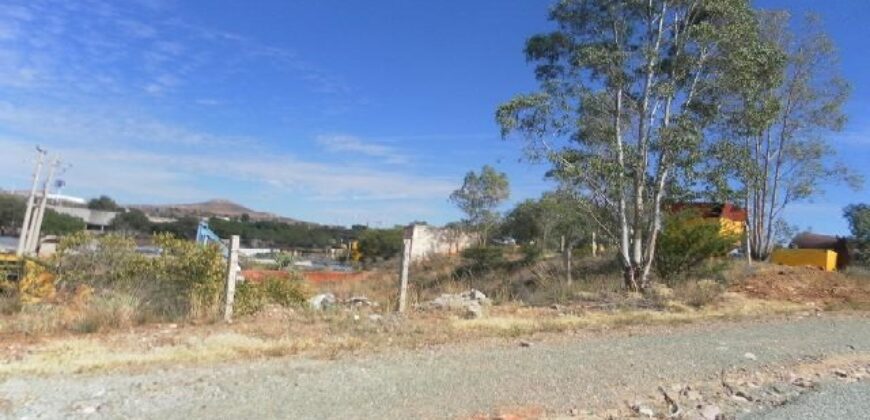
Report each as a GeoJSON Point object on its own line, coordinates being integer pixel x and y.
{"type": "Point", "coordinates": [687, 242]}
{"type": "Point", "coordinates": [479, 197]}
{"type": "Point", "coordinates": [375, 244]}
{"type": "Point", "coordinates": [858, 216]}
{"type": "Point", "coordinates": [133, 221]}
{"type": "Point", "coordinates": [104, 203]}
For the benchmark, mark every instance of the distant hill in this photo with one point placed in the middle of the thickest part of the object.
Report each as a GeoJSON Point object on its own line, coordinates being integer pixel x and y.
{"type": "Point", "coordinates": [211, 208]}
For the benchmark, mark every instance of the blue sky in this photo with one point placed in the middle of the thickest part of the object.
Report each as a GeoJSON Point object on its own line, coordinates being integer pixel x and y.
{"type": "Point", "coordinates": [330, 111]}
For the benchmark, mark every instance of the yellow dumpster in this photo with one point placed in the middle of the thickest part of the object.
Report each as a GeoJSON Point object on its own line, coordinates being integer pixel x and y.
{"type": "Point", "coordinates": [821, 258]}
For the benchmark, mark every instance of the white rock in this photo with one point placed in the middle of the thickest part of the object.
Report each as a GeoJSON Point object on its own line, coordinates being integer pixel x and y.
{"type": "Point", "coordinates": [750, 356]}
{"type": "Point", "coordinates": [473, 312]}
{"type": "Point", "coordinates": [322, 301]}
{"type": "Point", "coordinates": [709, 412]}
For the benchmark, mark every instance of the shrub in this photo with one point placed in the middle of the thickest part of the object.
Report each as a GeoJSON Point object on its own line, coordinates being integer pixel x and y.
{"type": "Point", "coordinates": [532, 253]}
{"type": "Point", "coordinates": [483, 258]}
{"type": "Point", "coordinates": [286, 292]}
{"type": "Point", "coordinates": [9, 304]}
{"type": "Point", "coordinates": [250, 298]}
{"type": "Point", "coordinates": [699, 293]}
{"type": "Point", "coordinates": [686, 245]}
{"type": "Point", "coordinates": [110, 311]}
{"type": "Point", "coordinates": [189, 276]}
{"type": "Point", "coordinates": [185, 280]}
{"type": "Point", "coordinates": [380, 244]}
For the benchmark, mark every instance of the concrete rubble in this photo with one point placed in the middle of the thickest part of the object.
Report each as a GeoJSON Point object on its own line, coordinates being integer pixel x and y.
{"type": "Point", "coordinates": [470, 303]}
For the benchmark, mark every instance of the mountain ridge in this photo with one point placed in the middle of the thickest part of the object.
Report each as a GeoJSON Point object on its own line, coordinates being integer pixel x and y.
{"type": "Point", "coordinates": [216, 207]}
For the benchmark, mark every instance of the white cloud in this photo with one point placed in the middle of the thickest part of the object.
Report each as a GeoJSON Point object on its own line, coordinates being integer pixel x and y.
{"type": "Point", "coordinates": [355, 145]}
{"type": "Point", "coordinates": [102, 126]}
{"type": "Point", "coordinates": [159, 176]}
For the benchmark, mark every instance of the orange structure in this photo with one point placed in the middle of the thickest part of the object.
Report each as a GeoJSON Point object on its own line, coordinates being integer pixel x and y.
{"type": "Point", "coordinates": [731, 219]}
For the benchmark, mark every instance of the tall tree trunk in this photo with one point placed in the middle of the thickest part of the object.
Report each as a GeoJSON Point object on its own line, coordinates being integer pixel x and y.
{"type": "Point", "coordinates": [625, 244]}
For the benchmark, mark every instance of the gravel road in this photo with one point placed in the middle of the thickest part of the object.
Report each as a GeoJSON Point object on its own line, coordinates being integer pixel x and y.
{"type": "Point", "coordinates": [559, 374]}
{"type": "Point", "coordinates": [833, 401]}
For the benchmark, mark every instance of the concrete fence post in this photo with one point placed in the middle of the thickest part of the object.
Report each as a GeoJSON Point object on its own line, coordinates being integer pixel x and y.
{"type": "Point", "coordinates": [403, 282]}
{"type": "Point", "coordinates": [233, 262]}
{"type": "Point", "coordinates": [594, 246]}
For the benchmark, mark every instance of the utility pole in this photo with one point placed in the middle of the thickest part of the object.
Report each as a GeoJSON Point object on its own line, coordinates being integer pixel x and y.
{"type": "Point", "coordinates": [33, 241]}
{"type": "Point", "coordinates": [25, 224]}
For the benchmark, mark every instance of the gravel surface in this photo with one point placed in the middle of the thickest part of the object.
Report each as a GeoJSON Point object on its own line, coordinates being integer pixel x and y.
{"type": "Point", "coordinates": [834, 401]}
{"type": "Point", "coordinates": [450, 381]}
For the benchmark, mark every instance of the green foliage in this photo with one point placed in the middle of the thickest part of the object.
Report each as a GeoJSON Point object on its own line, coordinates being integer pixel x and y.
{"type": "Point", "coordinates": [858, 216]}
{"type": "Point", "coordinates": [381, 244]}
{"type": "Point", "coordinates": [773, 149]}
{"type": "Point", "coordinates": [12, 214]}
{"type": "Point", "coordinates": [687, 243]}
{"type": "Point", "coordinates": [104, 203]}
{"type": "Point", "coordinates": [524, 222]}
{"type": "Point", "coordinates": [479, 196]}
{"type": "Point", "coordinates": [253, 297]}
{"type": "Point", "coordinates": [184, 281]}
{"type": "Point", "coordinates": [483, 258]}
{"type": "Point", "coordinates": [55, 223]}
{"type": "Point", "coordinates": [250, 298]}
{"type": "Point", "coordinates": [286, 292]}
{"type": "Point", "coordinates": [545, 221]}
{"type": "Point", "coordinates": [627, 91]}
{"type": "Point", "coordinates": [532, 253]}
{"type": "Point", "coordinates": [285, 260]}
{"type": "Point", "coordinates": [132, 221]}
{"type": "Point", "coordinates": [281, 234]}
{"type": "Point", "coordinates": [184, 227]}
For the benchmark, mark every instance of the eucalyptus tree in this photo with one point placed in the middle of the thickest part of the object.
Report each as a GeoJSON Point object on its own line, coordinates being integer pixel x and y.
{"type": "Point", "coordinates": [774, 150]}
{"type": "Point", "coordinates": [479, 196]}
{"type": "Point", "coordinates": [858, 217]}
{"type": "Point", "coordinates": [627, 89]}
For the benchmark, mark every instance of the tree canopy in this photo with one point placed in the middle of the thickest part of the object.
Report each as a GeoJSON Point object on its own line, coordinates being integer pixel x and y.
{"type": "Point", "coordinates": [858, 217]}
{"type": "Point", "coordinates": [479, 196]}
{"type": "Point", "coordinates": [627, 90]}
{"type": "Point", "coordinates": [104, 203]}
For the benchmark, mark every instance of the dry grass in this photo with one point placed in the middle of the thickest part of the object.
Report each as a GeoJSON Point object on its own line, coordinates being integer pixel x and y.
{"type": "Point", "coordinates": [732, 307]}
{"type": "Point", "coordinates": [593, 302]}
{"type": "Point", "coordinates": [333, 334]}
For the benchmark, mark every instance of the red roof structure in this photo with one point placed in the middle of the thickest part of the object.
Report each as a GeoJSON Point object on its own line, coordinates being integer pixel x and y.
{"type": "Point", "coordinates": [713, 210]}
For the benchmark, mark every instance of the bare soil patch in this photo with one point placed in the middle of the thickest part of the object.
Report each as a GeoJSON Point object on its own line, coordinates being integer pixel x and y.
{"type": "Point", "coordinates": [830, 290]}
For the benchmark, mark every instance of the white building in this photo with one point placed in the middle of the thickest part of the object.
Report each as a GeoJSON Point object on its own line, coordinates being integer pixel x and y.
{"type": "Point", "coordinates": [428, 241]}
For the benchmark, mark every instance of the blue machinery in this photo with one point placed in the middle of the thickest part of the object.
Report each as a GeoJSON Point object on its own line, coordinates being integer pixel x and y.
{"type": "Point", "coordinates": [204, 236]}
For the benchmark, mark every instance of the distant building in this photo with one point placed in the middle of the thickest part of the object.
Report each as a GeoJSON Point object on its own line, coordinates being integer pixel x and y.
{"type": "Point", "coordinates": [159, 219]}
{"type": "Point", "coordinates": [428, 241]}
{"type": "Point", "coordinates": [731, 219]}
{"type": "Point", "coordinates": [94, 219]}
{"type": "Point", "coordinates": [56, 198]}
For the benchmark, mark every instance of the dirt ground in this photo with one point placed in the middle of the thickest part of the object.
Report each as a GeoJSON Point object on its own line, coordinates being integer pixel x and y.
{"type": "Point", "coordinates": [736, 366]}
{"type": "Point", "coordinates": [766, 292]}
{"type": "Point", "coordinates": [830, 290]}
